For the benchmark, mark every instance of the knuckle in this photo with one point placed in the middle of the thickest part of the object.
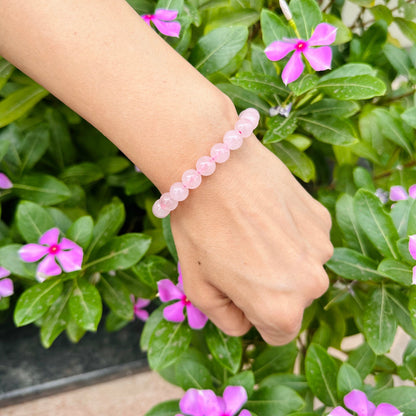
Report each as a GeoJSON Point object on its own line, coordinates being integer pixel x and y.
{"type": "Point", "coordinates": [320, 282]}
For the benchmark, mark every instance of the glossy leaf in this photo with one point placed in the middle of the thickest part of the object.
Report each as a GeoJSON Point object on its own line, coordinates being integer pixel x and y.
{"type": "Point", "coordinates": [81, 231]}
{"type": "Point", "coordinates": [154, 319]}
{"type": "Point", "coordinates": [6, 70]}
{"type": "Point", "coordinates": [307, 16]}
{"type": "Point", "coordinates": [403, 397]}
{"type": "Point", "coordinates": [412, 305]}
{"type": "Point", "coordinates": [397, 271]}
{"type": "Point", "coordinates": [363, 359]}
{"type": "Point", "coordinates": [10, 260]}
{"type": "Point", "coordinates": [245, 379]}
{"type": "Point", "coordinates": [409, 116]}
{"type": "Point", "coordinates": [407, 27]}
{"type": "Point", "coordinates": [399, 301]}
{"type": "Point", "coordinates": [83, 173]}
{"type": "Point", "coordinates": [154, 268]}
{"type": "Point", "coordinates": [348, 379]}
{"type": "Point", "coordinates": [266, 85]}
{"type": "Point", "coordinates": [167, 408]}
{"type": "Point", "coordinates": [332, 107]}
{"type": "Point", "coordinates": [280, 128]}
{"type": "Point", "coordinates": [272, 27]}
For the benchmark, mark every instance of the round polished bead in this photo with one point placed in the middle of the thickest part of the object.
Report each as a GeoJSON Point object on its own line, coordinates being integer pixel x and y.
{"type": "Point", "coordinates": [167, 202]}
{"type": "Point", "coordinates": [178, 192]}
{"type": "Point", "coordinates": [158, 211]}
{"type": "Point", "coordinates": [205, 165]}
{"type": "Point", "coordinates": [191, 179]}
{"type": "Point", "coordinates": [245, 127]}
{"type": "Point", "coordinates": [252, 115]}
{"type": "Point", "coordinates": [233, 139]}
{"type": "Point", "coordinates": [220, 152]}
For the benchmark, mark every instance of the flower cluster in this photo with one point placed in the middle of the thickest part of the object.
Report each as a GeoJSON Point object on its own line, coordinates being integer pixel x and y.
{"type": "Point", "coordinates": [163, 20]}
{"type": "Point", "coordinates": [138, 306]}
{"type": "Point", "coordinates": [68, 254]}
{"type": "Point", "coordinates": [357, 401]}
{"type": "Point", "coordinates": [398, 193]}
{"type": "Point", "coordinates": [207, 403]}
{"type": "Point", "coordinates": [174, 313]}
{"type": "Point", "coordinates": [6, 284]}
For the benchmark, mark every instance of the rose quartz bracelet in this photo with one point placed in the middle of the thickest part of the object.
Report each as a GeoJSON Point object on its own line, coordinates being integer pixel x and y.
{"type": "Point", "coordinates": [205, 166]}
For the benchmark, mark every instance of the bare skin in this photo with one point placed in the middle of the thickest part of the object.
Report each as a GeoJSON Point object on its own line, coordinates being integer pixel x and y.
{"type": "Point", "coordinates": [251, 241]}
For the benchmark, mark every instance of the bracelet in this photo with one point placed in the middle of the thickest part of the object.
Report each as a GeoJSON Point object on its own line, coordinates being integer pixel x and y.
{"type": "Point", "coordinates": [205, 166]}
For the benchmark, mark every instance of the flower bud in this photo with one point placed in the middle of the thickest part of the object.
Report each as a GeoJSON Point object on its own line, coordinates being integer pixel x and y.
{"type": "Point", "coordinates": [285, 9]}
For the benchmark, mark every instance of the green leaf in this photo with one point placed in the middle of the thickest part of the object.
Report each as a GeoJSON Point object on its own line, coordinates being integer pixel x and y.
{"type": "Point", "coordinates": [304, 84]}
{"type": "Point", "coordinates": [363, 359]}
{"type": "Point", "coordinates": [149, 327]}
{"type": "Point", "coordinates": [260, 63]}
{"type": "Point", "coordinates": [226, 350]}
{"type": "Point", "coordinates": [216, 49]}
{"type": "Point", "coordinates": [42, 189]}
{"type": "Point", "coordinates": [168, 408]}
{"type": "Point", "coordinates": [244, 17]}
{"type": "Point", "coordinates": [352, 265]}
{"type": "Point", "coordinates": [35, 301]}
{"type": "Point", "coordinates": [280, 128]}
{"type": "Point", "coordinates": [293, 381]}
{"type": "Point", "coordinates": [20, 102]}
{"type": "Point", "coordinates": [348, 379]}
{"type": "Point", "coordinates": [83, 174]}
{"type": "Point", "coordinates": [379, 322]}
{"type": "Point", "coordinates": [168, 341]}
{"type": "Point", "coordinates": [32, 221]}
{"type": "Point", "coordinates": [397, 271]}
{"type": "Point", "coordinates": [298, 162]}
{"type": "Point", "coordinates": [330, 130]}
{"type": "Point", "coordinates": [321, 372]}
{"type": "Point", "coordinates": [244, 379]}
{"type": "Point", "coordinates": [243, 98]}
{"type": "Point", "coordinates": [109, 221]}
{"type": "Point", "coordinates": [412, 305]}
{"type": "Point", "coordinates": [154, 268]}
{"type": "Point", "coordinates": [119, 253]}
{"type": "Point", "coordinates": [409, 116]}
{"type": "Point", "coordinates": [350, 70]}
{"type": "Point", "coordinates": [307, 16]}
{"type": "Point", "coordinates": [359, 87]}
{"type": "Point", "coordinates": [370, 44]}
{"type": "Point", "coordinates": [275, 360]}
{"type": "Point", "coordinates": [376, 223]}
{"type": "Point", "coordinates": [268, 86]}
{"type": "Point", "coordinates": [407, 27]}
{"type": "Point", "coordinates": [10, 260]}
{"type": "Point", "coordinates": [381, 12]}
{"type": "Point", "coordinates": [399, 302]}
{"type": "Point", "coordinates": [116, 296]}
{"type": "Point", "coordinates": [170, 5]}
{"type": "Point", "coordinates": [398, 58]}
{"type": "Point", "coordinates": [392, 129]}
{"type": "Point", "coordinates": [403, 214]}
{"type": "Point", "coordinates": [33, 146]}
{"type": "Point", "coordinates": [403, 397]}
{"type": "Point", "coordinates": [73, 331]}
{"type": "Point", "coordinates": [81, 231]}
{"type": "Point", "coordinates": [344, 34]}
{"type": "Point", "coordinates": [85, 305]}
{"type": "Point", "coordinates": [272, 27]}
{"type": "Point", "coordinates": [363, 179]}
{"type": "Point", "coordinates": [274, 401]}
{"type": "Point", "coordinates": [6, 70]}
{"type": "Point", "coordinates": [56, 319]}
{"type": "Point", "coordinates": [114, 322]}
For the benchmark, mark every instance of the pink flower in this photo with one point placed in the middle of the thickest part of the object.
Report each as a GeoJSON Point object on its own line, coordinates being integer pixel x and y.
{"type": "Point", "coordinates": [138, 306]}
{"type": "Point", "coordinates": [68, 254]}
{"type": "Point", "coordinates": [6, 285]}
{"type": "Point", "coordinates": [319, 58]}
{"type": "Point", "coordinates": [174, 313]}
{"type": "Point", "coordinates": [412, 251]}
{"type": "Point", "coordinates": [206, 403]}
{"type": "Point", "coordinates": [398, 193]}
{"type": "Point", "coordinates": [162, 19]}
{"type": "Point", "coordinates": [357, 402]}
{"type": "Point", "coordinates": [5, 182]}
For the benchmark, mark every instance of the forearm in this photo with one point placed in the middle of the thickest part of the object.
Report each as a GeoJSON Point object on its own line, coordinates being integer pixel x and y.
{"type": "Point", "coordinates": [103, 61]}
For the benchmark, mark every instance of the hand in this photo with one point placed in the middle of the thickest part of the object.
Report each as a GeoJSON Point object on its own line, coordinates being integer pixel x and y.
{"type": "Point", "coordinates": [252, 244]}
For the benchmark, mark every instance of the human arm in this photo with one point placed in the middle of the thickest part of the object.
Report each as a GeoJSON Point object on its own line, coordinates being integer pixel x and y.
{"type": "Point", "coordinates": [251, 241]}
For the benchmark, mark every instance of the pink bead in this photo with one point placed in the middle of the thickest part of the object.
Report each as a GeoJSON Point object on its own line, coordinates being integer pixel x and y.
{"type": "Point", "coordinates": [178, 192]}
{"type": "Point", "coordinates": [252, 115]}
{"type": "Point", "coordinates": [233, 139]}
{"type": "Point", "coordinates": [191, 179]}
{"type": "Point", "coordinates": [167, 202]}
{"type": "Point", "coordinates": [205, 166]}
{"type": "Point", "coordinates": [245, 127]}
{"type": "Point", "coordinates": [158, 211]}
{"type": "Point", "coordinates": [220, 152]}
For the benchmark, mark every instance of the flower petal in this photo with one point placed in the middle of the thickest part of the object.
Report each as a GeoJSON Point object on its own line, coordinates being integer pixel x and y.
{"type": "Point", "coordinates": [211, 404]}
{"type": "Point", "coordinates": [414, 276]}
{"type": "Point", "coordinates": [412, 245]}
{"type": "Point", "coordinates": [190, 403]}
{"type": "Point", "coordinates": [66, 244]}
{"type": "Point", "coordinates": [50, 237]}
{"type": "Point", "coordinates": [174, 312]}
{"type": "Point", "coordinates": [357, 401]}
{"type": "Point", "coordinates": [386, 409]}
{"type": "Point", "coordinates": [412, 191]}
{"type": "Point", "coordinates": [6, 287]}
{"type": "Point", "coordinates": [71, 260]}
{"type": "Point", "coordinates": [293, 68]}
{"type": "Point", "coordinates": [319, 58]}
{"type": "Point", "coordinates": [5, 182]}
{"type": "Point", "coordinates": [324, 34]}
{"type": "Point", "coordinates": [142, 303]}
{"type": "Point", "coordinates": [340, 411]}
{"type": "Point", "coordinates": [164, 14]}
{"type": "Point", "coordinates": [168, 291]}
{"type": "Point", "coordinates": [398, 193]}
{"type": "Point", "coordinates": [32, 252]}
{"type": "Point", "coordinates": [278, 50]}
{"type": "Point", "coordinates": [244, 412]}
{"type": "Point", "coordinates": [168, 28]}
{"type": "Point", "coordinates": [234, 397]}
{"type": "Point", "coordinates": [196, 318]}
{"type": "Point", "coordinates": [141, 314]}
{"type": "Point", "coordinates": [48, 267]}
{"type": "Point", "coordinates": [4, 272]}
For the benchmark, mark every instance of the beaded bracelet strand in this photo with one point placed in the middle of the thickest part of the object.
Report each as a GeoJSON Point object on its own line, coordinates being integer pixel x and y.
{"type": "Point", "coordinates": [205, 165]}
